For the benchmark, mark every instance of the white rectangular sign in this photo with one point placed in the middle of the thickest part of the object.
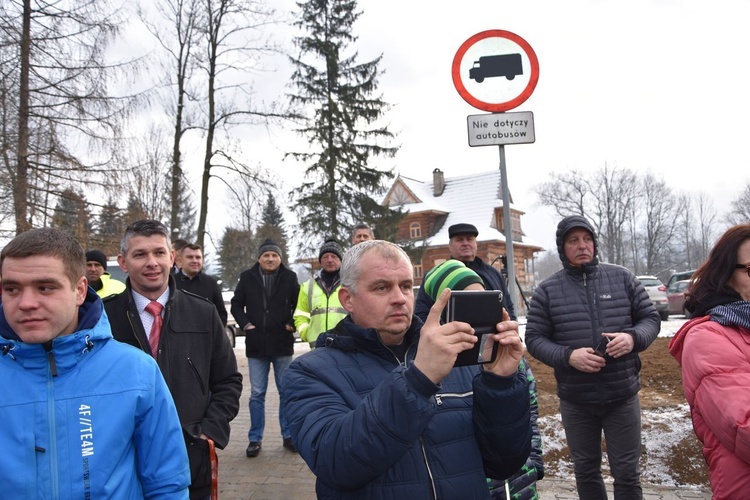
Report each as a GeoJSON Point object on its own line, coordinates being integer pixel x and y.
{"type": "Point", "coordinates": [501, 128]}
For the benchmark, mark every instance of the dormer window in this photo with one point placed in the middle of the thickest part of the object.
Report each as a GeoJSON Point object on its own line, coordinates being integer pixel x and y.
{"type": "Point", "coordinates": [415, 230]}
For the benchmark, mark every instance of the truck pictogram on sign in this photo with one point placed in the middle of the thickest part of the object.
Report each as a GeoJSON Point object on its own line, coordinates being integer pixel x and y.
{"type": "Point", "coordinates": [495, 54]}
{"type": "Point", "coordinates": [507, 65]}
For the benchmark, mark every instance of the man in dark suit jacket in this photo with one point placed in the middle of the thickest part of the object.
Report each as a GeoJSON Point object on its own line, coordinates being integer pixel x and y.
{"type": "Point", "coordinates": [263, 306]}
{"type": "Point", "coordinates": [192, 278]}
{"type": "Point", "coordinates": [191, 349]}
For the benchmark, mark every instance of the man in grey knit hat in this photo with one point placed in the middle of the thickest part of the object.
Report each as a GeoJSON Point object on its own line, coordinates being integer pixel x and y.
{"type": "Point", "coordinates": [263, 303]}
{"type": "Point", "coordinates": [318, 306]}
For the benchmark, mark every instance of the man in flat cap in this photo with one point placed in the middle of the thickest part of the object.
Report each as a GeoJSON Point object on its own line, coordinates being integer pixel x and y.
{"type": "Point", "coordinates": [98, 277]}
{"type": "Point", "coordinates": [263, 303]}
{"type": "Point", "coordinates": [463, 247]}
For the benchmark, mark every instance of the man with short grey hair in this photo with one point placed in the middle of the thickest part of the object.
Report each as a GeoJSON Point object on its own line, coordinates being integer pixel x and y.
{"type": "Point", "coordinates": [379, 397]}
{"type": "Point", "coordinates": [362, 232]}
{"type": "Point", "coordinates": [184, 334]}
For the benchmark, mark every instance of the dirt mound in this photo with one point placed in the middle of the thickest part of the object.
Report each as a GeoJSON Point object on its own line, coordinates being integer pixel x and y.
{"type": "Point", "coordinates": [675, 461]}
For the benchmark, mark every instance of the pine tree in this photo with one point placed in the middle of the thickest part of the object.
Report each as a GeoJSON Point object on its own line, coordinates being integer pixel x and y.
{"type": "Point", "coordinates": [72, 215]}
{"type": "Point", "coordinates": [109, 229]}
{"type": "Point", "coordinates": [338, 94]}
{"type": "Point", "coordinates": [236, 253]}
{"type": "Point", "coordinates": [272, 227]}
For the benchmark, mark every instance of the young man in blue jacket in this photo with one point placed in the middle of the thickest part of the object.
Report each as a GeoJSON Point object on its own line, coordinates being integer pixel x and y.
{"type": "Point", "coordinates": [83, 416]}
{"type": "Point", "coordinates": [378, 410]}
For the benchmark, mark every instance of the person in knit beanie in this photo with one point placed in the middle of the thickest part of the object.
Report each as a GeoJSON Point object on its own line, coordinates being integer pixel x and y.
{"type": "Point", "coordinates": [455, 275]}
{"type": "Point", "coordinates": [98, 277]}
{"type": "Point", "coordinates": [451, 274]}
{"type": "Point", "coordinates": [318, 306]}
{"type": "Point", "coordinates": [330, 246]}
{"type": "Point", "coordinates": [268, 246]}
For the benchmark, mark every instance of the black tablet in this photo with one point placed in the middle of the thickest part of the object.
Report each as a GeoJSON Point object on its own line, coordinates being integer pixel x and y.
{"type": "Point", "coordinates": [483, 310]}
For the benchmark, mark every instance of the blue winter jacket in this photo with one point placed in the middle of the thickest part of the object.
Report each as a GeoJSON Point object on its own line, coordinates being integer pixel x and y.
{"type": "Point", "coordinates": [91, 418]}
{"type": "Point", "coordinates": [370, 427]}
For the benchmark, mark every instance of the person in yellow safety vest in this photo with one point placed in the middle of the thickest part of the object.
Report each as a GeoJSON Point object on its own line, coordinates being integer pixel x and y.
{"type": "Point", "coordinates": [318, 307]}
{"type": "Point", "coordinates": [98, 277]}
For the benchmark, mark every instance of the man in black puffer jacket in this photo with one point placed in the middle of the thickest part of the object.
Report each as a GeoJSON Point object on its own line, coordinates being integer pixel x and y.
{"type": "Point", "coordinates": [573, 314]}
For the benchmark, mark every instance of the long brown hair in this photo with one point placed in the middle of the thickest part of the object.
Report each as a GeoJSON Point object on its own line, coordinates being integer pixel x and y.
{"type": "Point", "coordinates": [712, 277]}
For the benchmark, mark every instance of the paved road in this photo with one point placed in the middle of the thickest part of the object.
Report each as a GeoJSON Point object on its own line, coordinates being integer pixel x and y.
{"type": "Point", "coordinates": [278, 473]}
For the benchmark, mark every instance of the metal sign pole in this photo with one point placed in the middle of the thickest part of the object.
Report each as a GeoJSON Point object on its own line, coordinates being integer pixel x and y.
{"type": "Point", "coordinates": [508, 230]}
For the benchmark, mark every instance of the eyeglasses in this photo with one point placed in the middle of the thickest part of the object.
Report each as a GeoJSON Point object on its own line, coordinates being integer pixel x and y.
{"type": "Point", "coordinates": [745, 267]}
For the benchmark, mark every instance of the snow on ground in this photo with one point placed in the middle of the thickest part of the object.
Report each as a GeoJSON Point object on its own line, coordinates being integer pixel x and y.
{"type": "Point", "coordinates": [662, 429]}
{"type": "Point", "coordinates": [668, 328]}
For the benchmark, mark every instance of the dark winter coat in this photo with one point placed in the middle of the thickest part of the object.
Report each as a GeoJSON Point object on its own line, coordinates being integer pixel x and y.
{"type": "Point", "coordinates": [198, 365]}
{"type": "Point", "coordinates": [370, 427]}
{"type": "Point", "coordinates": [573, 307]}
{"type": "Point", "coordinates": [269, 313]}
{"type": "Point", "coordinates": [206, 286]}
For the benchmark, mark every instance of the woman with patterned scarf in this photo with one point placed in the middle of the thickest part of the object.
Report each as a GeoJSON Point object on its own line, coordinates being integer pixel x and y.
{"type": "Point", "coordinates": [714, 351]}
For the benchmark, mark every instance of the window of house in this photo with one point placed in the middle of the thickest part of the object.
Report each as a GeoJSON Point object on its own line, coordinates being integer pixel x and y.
{"type": "Point", "coordinates": [415, 230]}
{"type": "Point", "coordinates": [418, 270]}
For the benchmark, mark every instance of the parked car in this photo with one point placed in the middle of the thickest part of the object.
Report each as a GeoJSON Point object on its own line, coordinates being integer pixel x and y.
{"type": "Point", "coordinates": [684, 275]}
{"type": "Point", "coordinates": [113, 268]}
{"type": "Point", "coordinates": [233, 329]}
{"type": "Point", "coordinates": [676, 297]}
{"type": "Point", "coordinates": [657, 292]}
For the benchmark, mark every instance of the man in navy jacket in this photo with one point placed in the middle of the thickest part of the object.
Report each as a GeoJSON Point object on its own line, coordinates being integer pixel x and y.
{"type": "Point", "coordinates": [378, 410]}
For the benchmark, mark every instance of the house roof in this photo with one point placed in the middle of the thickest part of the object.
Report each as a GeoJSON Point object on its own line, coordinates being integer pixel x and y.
{"type": "Point", "coordinates": [469, 199]}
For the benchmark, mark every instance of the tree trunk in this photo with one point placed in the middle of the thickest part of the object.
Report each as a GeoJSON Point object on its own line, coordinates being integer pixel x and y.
{"type": "Point", "coordinates": [21, 184]}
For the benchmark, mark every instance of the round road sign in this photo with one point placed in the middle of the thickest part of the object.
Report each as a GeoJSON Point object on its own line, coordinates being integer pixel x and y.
{"type": "Point", "coordinates": [495, 70]}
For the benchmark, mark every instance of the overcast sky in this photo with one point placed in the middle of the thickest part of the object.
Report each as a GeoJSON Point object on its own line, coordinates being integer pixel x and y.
{"type": "Point", "coordinates": [659, 86]}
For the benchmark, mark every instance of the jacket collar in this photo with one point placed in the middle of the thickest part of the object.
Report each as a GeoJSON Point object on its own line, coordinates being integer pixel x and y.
{"type": "Point", "coordinates": [348, 336]}
{"type": "Point", "coordinates": [172, 285]}
{"type": "Point", "coordinates": [93, 331]}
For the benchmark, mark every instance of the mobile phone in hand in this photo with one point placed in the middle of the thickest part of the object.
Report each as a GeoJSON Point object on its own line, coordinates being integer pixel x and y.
{"type": "Point", "coordinates": [601, 349]}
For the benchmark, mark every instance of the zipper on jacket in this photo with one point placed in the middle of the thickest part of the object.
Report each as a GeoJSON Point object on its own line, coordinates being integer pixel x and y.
{"type": "Point", "coordinates": [135, 332]}
{"type": "Point", "coordinates": [439, 397]}
{"type": "Point", "coordinates": [427, 465]}
{"type": "Point", "coordinates": [197, 375]}
{"type": "Point", "coordinates": [50, 358]}
{"type": "Point", "coordinates": [52, 428]}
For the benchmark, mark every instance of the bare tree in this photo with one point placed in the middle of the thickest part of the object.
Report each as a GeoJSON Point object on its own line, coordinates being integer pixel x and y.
{"type": "Point", "coordinates": [740, 208]}
{"type": "Point", "coordinates": [707, 225]}
{"type": "Point", "coordinates": [56, 80]}
{"type": "Point", "coordinates": [604, 197]}
{"type": "Point", "coordinates": [660, 224]}
{"type": "Point", "coordinates": [177, 29]}
{"type": "Point", "coordinates": [248, 194]}
{"type": "Point", "coordinates": [614, 190]}
{"type": "Point", "coordinates": [233, 37]}
{"type": "Point", "coordinates": [149, 177]}
{"type": "Point", "coordinates": [566, 193]}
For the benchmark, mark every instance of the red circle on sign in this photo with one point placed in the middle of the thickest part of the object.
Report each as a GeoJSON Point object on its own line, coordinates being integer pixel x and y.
{"type": "Point", "coordinates": [488, 106]}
